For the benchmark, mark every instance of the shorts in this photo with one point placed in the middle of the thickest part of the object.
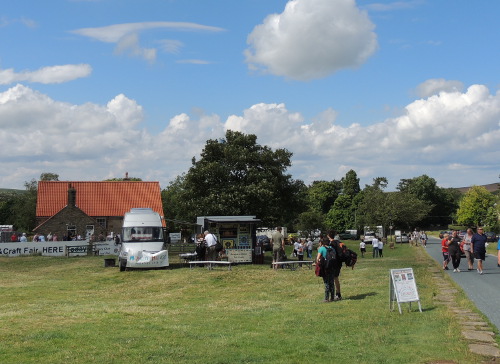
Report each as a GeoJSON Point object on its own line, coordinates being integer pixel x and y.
{"type": "Point", "coordinates": [480, 255]}
{"type": "Point", "coordinates": [446, 256]}
{"type": "Point", "coordinates": [363, 250]}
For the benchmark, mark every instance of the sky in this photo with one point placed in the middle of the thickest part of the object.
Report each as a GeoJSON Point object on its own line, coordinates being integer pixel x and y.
{"type": "Point", "coordinates": [92, 89]}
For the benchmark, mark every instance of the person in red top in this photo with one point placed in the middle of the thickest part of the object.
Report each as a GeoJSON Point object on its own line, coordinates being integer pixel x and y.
{"type": "Point", "coordinates": [13, 238]}
{"type": "Point", "coordinates": [444, 249]}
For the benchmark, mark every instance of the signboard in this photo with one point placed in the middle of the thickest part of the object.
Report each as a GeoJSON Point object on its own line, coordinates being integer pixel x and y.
{"type": "Point", "coordinates": [55, 248]}
{"type": "Point", "coordinates": [403, 288]}
{"type": "Point", "coordinates": [175, 237]}
{"type": "Point", "coordinates": [239, 255]}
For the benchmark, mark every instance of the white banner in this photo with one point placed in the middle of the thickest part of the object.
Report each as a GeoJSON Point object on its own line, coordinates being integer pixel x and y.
{"type": "Point", "coordinates": [55, 248]}
{"type": "Point", "coordinates": [143, 259]}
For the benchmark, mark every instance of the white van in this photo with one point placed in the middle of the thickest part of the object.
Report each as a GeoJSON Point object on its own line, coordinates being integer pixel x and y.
{"type": "Point", "coordinates": [142, 243]}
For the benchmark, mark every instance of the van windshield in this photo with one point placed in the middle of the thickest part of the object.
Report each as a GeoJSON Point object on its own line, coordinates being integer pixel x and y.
{"type": "Point", "coordinates": [142, 234]}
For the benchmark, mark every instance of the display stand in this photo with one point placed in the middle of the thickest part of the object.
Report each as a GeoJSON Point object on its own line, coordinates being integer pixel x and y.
{"type": "Point", "coordinates": [403, 288]}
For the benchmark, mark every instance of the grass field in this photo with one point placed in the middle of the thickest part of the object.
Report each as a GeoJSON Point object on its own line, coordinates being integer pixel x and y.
{"type": "Point", "coordinates": [74, 310]}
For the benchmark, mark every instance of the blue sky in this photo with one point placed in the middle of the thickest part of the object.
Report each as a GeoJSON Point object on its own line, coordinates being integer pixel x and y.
{"type": "Point", "coordinates": [93, 89]}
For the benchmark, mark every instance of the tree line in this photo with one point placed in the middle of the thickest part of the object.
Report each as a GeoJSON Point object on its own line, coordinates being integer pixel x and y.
{"type": "Point", "coordinates": [237, 176]}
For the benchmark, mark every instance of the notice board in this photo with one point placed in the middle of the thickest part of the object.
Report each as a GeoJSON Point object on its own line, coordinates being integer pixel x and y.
{"type": "Point", "coordinates": [403, 287]}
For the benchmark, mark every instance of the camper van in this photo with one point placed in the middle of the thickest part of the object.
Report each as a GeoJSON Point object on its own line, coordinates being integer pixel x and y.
{"type": "Point", "coordinates": [142, 243]}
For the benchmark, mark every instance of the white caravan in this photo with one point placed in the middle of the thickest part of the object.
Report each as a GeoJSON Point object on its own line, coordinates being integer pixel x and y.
{"type": "Point", "coordinates": [142, 243]}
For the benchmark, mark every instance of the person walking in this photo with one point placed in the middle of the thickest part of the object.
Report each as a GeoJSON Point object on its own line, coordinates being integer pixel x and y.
{"type": "Point", "coordinates": [309, 248]}
{"type": "Point", "coordinates": [498, 253]}
{"type": "Point", "coordinates": [362, 248]}
{"type": "Point", "coordinates": [454, 251]}
{"type": "Point", "coordinates": [423, 238]}
{"type": "Point", "coordinates": [478, 242]}
{"type": "Point", "coordinates": [210, 241]}
{"type": "Point", "coordinates": [278, 241]}
{"type": "Point", "coordinates": [467, 248]}
{"type": "Point", "coordinates": [444, 250]}
{"type": "Point", "coordinates": [375, 246]}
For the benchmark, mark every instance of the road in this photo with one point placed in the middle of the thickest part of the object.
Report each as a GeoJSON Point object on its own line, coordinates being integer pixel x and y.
{"type": "Point", "coordinates": [483, 290]}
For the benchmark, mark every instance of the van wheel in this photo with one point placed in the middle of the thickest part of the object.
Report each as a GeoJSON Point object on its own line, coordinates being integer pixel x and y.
{"type": "Point", "coordinates": [123, 265]}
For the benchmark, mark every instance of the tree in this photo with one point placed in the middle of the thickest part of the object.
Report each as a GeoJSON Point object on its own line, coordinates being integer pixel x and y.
{"type": "Point", "coordinates": [310, 222]}
{"type": "Point", "coordinates": [49, 177]}
{"type": "Point", "coordinates": [237, 176]}
{"type": "Point", "coordinates": [322, 194]}
{"type": "Point", "coordinates": [443, 201]}
{"type": "Point", "coordinates": [350, 184]}
{"type": "Point", "coordinates": [474, 206]}
{"type": "Point", "coordinates": [339, 217]}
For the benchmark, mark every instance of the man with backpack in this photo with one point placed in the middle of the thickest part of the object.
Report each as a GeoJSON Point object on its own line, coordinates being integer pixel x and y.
{"type": "Point", "coordinates": [324, 260]}
{"type": "Point", "coordinates": [337, 265]}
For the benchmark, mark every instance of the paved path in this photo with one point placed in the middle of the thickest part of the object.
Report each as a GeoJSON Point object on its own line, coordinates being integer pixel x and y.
{"type": "Point", "coordinates": [483, 290]}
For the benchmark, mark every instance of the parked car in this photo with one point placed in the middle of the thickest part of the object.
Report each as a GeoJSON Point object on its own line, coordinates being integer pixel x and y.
{"type": "Point", "coordinates": [346, 236]}
{"type": "Point", "coordinates": [368, 238]}
{"type": "Point", "coordinates": [403, 238]}
{"type": "Point", "coordinates": [491, 237]}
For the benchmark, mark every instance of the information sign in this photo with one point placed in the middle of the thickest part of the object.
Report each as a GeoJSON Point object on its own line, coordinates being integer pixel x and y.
{"type": "Point", "coordinates": [239, 255]}
{"type": "Point", "coordinates": [403, 288]}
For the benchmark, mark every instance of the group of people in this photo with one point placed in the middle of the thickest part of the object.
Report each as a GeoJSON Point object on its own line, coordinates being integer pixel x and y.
{"type": "Point", "coordinates": [417, 237]}
{"type": "Point", "coordinates": [473, 245]}
{"type": "Point", "coordinates": [23, 238]}
{"type": "Point", "coordinates": [377, 247]}
{"type": "Point", "coordinates": [301, 246]}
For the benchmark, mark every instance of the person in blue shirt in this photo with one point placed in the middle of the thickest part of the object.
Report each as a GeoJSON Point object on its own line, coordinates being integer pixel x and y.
{"type": "Point", "coordinates": [478, 244]}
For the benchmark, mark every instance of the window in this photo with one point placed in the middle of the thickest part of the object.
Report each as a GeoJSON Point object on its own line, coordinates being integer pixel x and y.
{"type": "Point", "coordinates": [101, 221]}
{"type": "Point", "coordinates": [71, 231]}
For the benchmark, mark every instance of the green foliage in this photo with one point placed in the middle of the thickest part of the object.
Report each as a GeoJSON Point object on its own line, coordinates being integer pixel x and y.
{"type": "Point", "coordinates": [322, 194]}
{"type": "Point", "coordinates": [340, 216]}
{"type": "Point", "coordinates": [237, 176]}
{"type": "Point", "coordinates": [309, 222]}
{"type": "Point", "coordinates": [474, 206]}
{"type": "Point", "coordinates": [124, 179]}
{"type": "Point", "coordinates": [49, 177]}
{"type": "Point", "coordinates": [350, 184]}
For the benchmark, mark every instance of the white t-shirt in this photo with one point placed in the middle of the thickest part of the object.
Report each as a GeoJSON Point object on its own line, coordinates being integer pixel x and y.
{"type": "Point", "coordinates": [380, 244]}
{"type": "Point", "coordinates": [210, 239]}
{"type": "Point", "coordinates": [362, 245]}
{"type": "Point", "coordinates": [375, 242]}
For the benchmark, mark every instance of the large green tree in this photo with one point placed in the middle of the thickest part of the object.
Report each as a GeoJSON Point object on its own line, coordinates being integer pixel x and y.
{"type": "Point", "coordinates": [474, 206]}
{"type": "Point", "coordinates": [443, 202]}
{"type": "Point", "coordinates": [350, 184]}
{"type": "Point", "coordinates": [322, 194]}
{"type": "Point", "coordinates": [237, 176]}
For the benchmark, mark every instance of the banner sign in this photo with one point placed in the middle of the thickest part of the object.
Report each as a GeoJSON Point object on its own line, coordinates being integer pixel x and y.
{"type": "Point", "coordinates": [55, 248]}
{"type": "Point", "coordinates": [239, 255]}
{"type": "Point", "coordinates": [403, 287]}
{"type": "Point", "coordinates": [143, 259]}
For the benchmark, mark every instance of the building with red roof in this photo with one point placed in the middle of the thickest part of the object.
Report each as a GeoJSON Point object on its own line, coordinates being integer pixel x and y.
{"type": "Point", "coordinates": [84, 208]}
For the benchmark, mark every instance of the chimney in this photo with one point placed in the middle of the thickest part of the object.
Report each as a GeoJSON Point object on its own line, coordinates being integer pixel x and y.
{"type": "Point", "coordinates": [126, 176]}
{"type": "Point", "coordinates": [71, 196]}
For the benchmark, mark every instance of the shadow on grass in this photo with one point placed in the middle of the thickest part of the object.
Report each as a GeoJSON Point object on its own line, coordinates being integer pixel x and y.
{"type": "Point", "coordinates": [362, 296]}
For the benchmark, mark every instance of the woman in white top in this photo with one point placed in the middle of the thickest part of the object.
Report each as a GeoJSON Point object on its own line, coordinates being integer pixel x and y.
{"type": "Point", "coordinates": [466, 248]}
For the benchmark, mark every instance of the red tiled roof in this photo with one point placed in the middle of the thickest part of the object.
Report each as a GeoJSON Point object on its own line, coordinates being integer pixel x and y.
{"type": "Point", "coordinates": [98, 198]}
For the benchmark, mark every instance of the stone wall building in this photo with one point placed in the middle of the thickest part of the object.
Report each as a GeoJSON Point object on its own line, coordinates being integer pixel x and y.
{"type": "Point", "coordinates": [86, 208]}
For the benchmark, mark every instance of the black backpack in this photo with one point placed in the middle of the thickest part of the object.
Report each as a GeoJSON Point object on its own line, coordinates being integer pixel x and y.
{"type": "Point", "coordinates": [345, 255]}
{"type": "Point", "coordinates": [331, 259]}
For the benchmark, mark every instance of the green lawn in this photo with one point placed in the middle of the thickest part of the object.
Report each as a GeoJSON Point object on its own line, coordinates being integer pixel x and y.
{"type": "Point", "coordinates": [74, 310]}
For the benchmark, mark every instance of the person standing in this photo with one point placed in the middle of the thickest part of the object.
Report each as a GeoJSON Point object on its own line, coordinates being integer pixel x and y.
{"type": "Point", "coordinates": [309, 248]}
{"type": "Point", "coordinates": [23, 238]}
{"type": "Point", "coordinates": [423, 238]}
{"type": "Point", "coordinates": [278, 241]}
{"type": "Point", "coordinates": [454, 251]}
{"type": "Point", "coordinates": [498, 253]}
{"type": "Point", "coordinates": [375, 246]}
{"type": "Point", "coordinates": [300, 252]}
{"type": "Point", "coordinates": [466, 248]}
{"type": "Point", "coordinates": [380, 248]}
{"type": "Point", "coordinates": [478, 242]}
{"type": "Point", "coordinates": [362, 248]}
{"type": "Point", "coordinates": [334, 243]}
{"type": "Point", "coordinates": [296, 246]}
{"type": "Point", "coordinates": [444, 250]}
{"type": "Point", "coordinates": [210, 240]}
{"type": "Point", "coordinates": [326, 274]}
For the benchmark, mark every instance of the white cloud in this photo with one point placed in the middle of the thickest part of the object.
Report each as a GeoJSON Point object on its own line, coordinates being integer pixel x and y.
{"type": "Point", "coordinates": [436, 85]}
{"type": "Point", "coordinates": [445, 135]}
{"type": "Point", "coordinates": [126, 36]}
{"type": "Point", "coordinates": [46, 75]}
{"type": "Point", "coordinates": [312, 39]}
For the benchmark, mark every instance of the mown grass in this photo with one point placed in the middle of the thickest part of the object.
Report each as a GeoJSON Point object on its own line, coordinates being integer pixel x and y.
{"type": "Point", "coordinates": [60, 310]}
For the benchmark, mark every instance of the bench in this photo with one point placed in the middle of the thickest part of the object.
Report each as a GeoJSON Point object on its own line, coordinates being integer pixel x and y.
{"type": "Point", "coordinates": [187, 257]}
{"type": "Point", "coordinates": [210, 263]}
{"type": "Point", "coordinates": [293, 264]}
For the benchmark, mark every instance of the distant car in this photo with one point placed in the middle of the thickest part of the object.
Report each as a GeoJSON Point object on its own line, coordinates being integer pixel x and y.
{"type": "Point", "coordinates": [491, 237]}
{"type": "Point", "coordinates": [403, 238]}
{"type": "Point", "coordinates": [265, 242]}
{"type": "Point", "coordinates": [346, 236]}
